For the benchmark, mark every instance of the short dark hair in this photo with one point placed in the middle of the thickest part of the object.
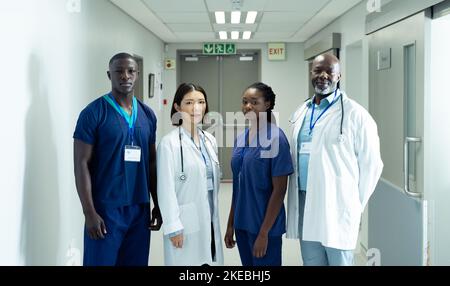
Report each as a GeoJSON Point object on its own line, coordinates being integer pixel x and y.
{"type": "Point", "coordinates": [268, 94]}
{"type": "Point", "coordinates": [121, 56]}
{"type": "Point", "coordinates": [182, 90]}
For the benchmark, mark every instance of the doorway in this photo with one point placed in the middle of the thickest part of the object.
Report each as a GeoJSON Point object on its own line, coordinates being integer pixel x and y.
{"type": "Point", "coordinates": [398, 210]}
{"type": "Point", "coordinates": [139, 88]}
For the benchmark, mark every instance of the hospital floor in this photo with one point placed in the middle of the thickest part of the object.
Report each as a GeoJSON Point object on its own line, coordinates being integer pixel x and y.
{"type": "Point", "coordinates": [291, 248]}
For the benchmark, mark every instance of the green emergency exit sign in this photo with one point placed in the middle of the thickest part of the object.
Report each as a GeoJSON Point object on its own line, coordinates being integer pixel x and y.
{"type": "Point", "coordinates": [219, 49]}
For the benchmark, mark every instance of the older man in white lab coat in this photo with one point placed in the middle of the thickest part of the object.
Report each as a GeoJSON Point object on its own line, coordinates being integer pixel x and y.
{"type": "Point", "coordinates": [336, 154]}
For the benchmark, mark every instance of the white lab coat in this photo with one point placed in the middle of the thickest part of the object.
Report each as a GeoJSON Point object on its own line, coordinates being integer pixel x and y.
{"type": "Point", "coordinates": [341, 176]}
{"type": "Point", "coordinates": [184, 204]}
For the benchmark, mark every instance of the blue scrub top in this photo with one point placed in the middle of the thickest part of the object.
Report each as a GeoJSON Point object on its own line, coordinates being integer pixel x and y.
{"type": "Point", "coordinates": [115, 182]}
{"type": "Point", "coordinates": [252, 178]}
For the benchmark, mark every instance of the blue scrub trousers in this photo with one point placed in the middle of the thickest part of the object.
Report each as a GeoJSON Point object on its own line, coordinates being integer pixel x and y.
{"type": "Point", "coordinates": [245, 241]}
{"type": "Point", "coordinates": [127, 242]}
{"type": "Point", "coordinates": [314, 253]}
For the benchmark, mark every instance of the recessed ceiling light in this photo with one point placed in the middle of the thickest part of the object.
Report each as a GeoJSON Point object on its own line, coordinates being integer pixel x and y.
{"type": "Point", "coordinates": [220, 17]}
{"type": "Point", "coordinates": [251, 17]}
{"type": "Point", "coordinates": [247, 35]}
{"type": "Point", "coordinates": [223, 35]}
{"type": "Point", "coordinates": [235, 35]}
{"type": "Point", "coordinates": [235, 17]}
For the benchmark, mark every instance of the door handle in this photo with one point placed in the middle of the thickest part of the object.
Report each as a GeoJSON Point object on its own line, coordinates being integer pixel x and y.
{"type": "Point", "coordinates": [408, 140]}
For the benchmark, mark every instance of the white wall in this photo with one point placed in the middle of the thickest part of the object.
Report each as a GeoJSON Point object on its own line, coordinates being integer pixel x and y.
{"type": "Point", "coordinates": [287, 78]}
{"type": "Point", "coordinates": [54, 64]}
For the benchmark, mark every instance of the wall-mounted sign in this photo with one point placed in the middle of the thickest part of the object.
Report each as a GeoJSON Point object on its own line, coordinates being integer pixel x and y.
{"type": "Point", "coordinates": [276, 51]}
{"type": "Point", "coordinates": [384, 59]}
{"type": "Point", "coordinates": [219, 49]}
{"type": "Point", "coordinates": [169, 64]}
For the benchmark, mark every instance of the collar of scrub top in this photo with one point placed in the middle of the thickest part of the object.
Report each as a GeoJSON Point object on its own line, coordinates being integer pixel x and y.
{"type": "Point", "coordinates": [261, 133]}
{"type": "Point", "coordinates": [133, 117]}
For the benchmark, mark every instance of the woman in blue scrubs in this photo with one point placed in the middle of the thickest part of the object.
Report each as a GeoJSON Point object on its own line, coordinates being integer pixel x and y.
{"type": "Point", "coordinates": [261, 164]}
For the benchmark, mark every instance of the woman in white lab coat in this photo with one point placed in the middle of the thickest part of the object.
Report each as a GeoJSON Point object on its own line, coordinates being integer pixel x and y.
{"type": "Point", "coordinates": [188, 184]}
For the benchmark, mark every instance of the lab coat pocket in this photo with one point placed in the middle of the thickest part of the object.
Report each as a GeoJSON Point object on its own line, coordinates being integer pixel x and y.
{"type": "Point", "coordinates": [189, 218]}
{"type": "Point", "coordinates": [349, 221]}
{"type": "Point", "coordinates": [347, 195]}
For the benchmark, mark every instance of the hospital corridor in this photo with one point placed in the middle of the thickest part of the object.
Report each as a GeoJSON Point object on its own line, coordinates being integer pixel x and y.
{"type": "Point", "coordinates": [225, 133]}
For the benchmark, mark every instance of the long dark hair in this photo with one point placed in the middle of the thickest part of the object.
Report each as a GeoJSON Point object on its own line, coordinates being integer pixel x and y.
{"type": "Point", "coordinates": [182, 90]}
{"type": "Point", "coordinates": [268, 94]}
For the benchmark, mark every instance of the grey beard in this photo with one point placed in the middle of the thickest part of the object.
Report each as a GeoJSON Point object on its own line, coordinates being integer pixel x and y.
{"type": "Point", "coordinates": [330, 89]}
{"type": "Point", "coordinates": [325, 91]}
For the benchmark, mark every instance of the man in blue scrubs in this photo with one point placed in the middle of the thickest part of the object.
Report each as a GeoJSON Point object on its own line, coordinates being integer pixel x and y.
{"type": "Point", "coordinates": [115, 169]}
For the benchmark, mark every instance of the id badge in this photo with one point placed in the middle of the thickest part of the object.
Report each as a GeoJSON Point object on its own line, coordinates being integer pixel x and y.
{"type": "Point", "coordinates": [132, 153]}
{"type": "Point", "coordinates": [305, 148]}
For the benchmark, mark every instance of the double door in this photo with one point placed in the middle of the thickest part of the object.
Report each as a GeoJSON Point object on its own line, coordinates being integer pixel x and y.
{"type": "Point", "coordinates": [224, 79]}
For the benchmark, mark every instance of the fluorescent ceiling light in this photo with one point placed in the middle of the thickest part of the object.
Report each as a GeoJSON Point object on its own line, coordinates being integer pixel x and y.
{"type": "Point", "coordinates": [251, 17]}
{"type": "Point", "coordinates": [235, 35]}
{"type": "Point", "coordinates": [247, 35]}
{"type": "Point", "coordinates": [220, 17]}
{"type": "Point", "coordinates": [235, 17]}
{"type": "Point", "coordinates": [223, 35]}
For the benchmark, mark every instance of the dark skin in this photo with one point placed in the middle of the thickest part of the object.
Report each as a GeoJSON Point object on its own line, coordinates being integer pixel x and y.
{"type": "Point", "coordinates": [325, 75]}
{"type": "Point", "coordinates": [253, 101]}
{"type": "Point", "coordinates": [123, 74]}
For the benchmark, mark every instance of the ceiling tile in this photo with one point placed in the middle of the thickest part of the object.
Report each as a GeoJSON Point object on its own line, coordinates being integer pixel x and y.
{"type": "Point", "coordinates": [188, 17]}
{"type": "Point", "coordinates": [285, 17]}
{"type": "Point", "coordinates": [273, 36]}
{"type": "Point", "coordinates": [189, 37]}
{"type": "Point", "coordinates": [225, 5]}
{"type": "Point", "coordinates": [190, 27]}
{"type": "Point", "coordinates": [296, 5]}
{"type": "Point", "coordinates": [280, 27]}
{"type": "Point", "coordinates": [176, 5]}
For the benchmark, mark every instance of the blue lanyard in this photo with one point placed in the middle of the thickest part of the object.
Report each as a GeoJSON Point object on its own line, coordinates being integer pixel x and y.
{"type": "Point", "coordinates": [313, 124]}
{"type": "Point", "coordinates": [130, 123]}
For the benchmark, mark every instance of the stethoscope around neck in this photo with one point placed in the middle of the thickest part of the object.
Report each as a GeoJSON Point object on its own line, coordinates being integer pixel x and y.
{"type": "Point", "coordinates": [341, 135]}
{"type": "Point", "coordinates": [182, 176]}
{"type": "Point", "coordinates": [341, 138]}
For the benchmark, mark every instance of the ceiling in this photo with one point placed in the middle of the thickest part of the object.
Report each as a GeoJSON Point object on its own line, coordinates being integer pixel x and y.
{"type": "Point", "coordinates": [187, 21]}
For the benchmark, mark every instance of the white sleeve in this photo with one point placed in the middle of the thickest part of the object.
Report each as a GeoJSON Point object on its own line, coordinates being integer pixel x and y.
{"type": "Point", "coordinates": [167, 198]}
{"type": "Point", "coordinates": [367, 147]}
